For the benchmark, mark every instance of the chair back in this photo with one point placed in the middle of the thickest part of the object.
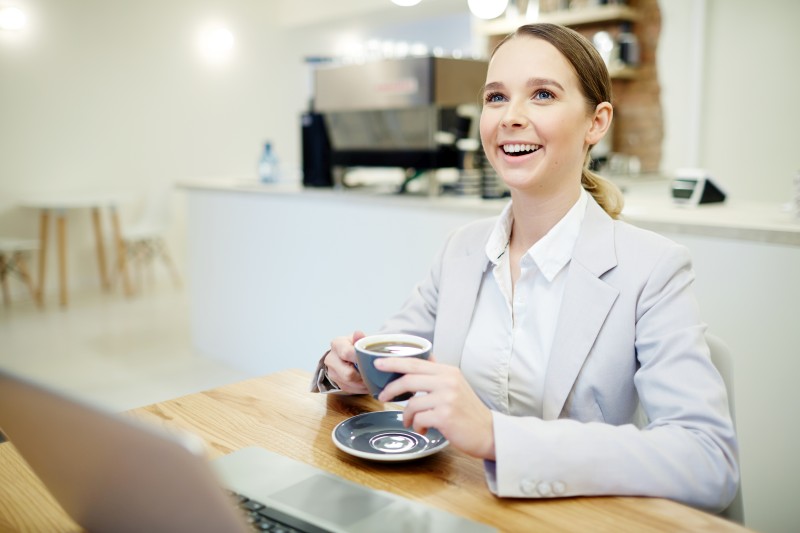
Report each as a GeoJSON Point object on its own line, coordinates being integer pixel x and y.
{"type": "Point", "coordinates": [155, 216]}
{"type": "Point", "coordinates": [723, 360]}
{"type": "Point", "coordinates": [156, 212]}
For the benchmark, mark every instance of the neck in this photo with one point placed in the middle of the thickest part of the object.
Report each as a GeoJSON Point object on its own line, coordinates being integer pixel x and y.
{"type": "Point", "coordinates": [535, 215]}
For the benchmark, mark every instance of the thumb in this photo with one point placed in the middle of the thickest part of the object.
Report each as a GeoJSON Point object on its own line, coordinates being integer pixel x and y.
{"type": "Point", "coordinates": [358, 334]}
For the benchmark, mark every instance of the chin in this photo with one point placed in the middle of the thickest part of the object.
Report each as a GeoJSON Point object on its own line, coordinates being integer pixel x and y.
{"type": "Point", "coordinates": [518, 178]}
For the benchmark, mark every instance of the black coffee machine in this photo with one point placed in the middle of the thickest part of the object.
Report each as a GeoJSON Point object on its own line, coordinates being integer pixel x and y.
{"type": "Point", "coordinates": [403, 112]}
{"type": "Point", "coordinates": [317, 166]}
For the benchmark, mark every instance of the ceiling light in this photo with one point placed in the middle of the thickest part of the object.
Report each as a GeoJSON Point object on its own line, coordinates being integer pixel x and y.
{"type": "Point", "coordinates": [216, 43]}
{"type": "Point", "coordinates": [406, 3]}
{"type": "Point", "coordinates": [12, 18]}
{"type": "Point", "coordinates": [487, 9]}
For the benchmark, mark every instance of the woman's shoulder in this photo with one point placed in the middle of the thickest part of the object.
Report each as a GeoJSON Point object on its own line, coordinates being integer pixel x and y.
{"type": "Point", "coordinates": [639, 245]}
{"type": "Point", "coordinates": [473, 233]}
{"type": "Point", "coordinates": [605, 241]}
{"type": "Point", "coordinates": [628, 233]}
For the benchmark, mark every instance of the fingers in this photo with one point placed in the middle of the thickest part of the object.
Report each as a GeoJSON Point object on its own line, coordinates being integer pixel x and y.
{"type": "Point", "coordinates": [409, 382]}
{"type": "Point", "coordinates": [342, 347]}
{"type": "Point", "coordinates": [340, 364]}
{"type": "Point", "coordinates": [462, 418]}
{"type": "Point", "coordinates": [413, 383]}
{"type": "Point", "coordinates": [420, 420]}
{"type": "Point", "coordinates": [406, 365]}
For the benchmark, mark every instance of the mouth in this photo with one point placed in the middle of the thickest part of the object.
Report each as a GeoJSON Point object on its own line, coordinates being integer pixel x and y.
{"type": "Point", "coordinates": [516, 150]}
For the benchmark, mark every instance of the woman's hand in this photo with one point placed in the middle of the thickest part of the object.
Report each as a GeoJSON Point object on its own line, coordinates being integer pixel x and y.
{"type": "Point", "coordinates": [449, 405]}
{"type": "Point", "coordinates": [340, 362]}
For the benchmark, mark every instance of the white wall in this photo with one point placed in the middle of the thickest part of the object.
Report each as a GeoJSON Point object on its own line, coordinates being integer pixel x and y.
{"type": "Point", "coordinates": [749, 112]}
{"type": "Point", "coordinates": [112, 94]}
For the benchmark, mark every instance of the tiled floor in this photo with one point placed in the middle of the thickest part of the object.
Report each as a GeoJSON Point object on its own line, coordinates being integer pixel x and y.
{"type": "Point", "coordinates": [119, 352]}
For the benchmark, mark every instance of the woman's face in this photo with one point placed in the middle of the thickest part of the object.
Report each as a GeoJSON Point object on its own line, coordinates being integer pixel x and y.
{"type": "Point", "coordinates": [535, 123]}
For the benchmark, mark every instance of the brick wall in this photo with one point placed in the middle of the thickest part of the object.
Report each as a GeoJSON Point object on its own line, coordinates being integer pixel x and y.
{"type": "Point", "coordinates": [638, 120]}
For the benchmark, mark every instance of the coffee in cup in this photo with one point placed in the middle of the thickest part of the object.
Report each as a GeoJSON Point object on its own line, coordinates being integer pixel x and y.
{"type": "Point", "coordinates": [373, 347]}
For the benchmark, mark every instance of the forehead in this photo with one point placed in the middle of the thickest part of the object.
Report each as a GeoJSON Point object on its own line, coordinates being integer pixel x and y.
{"type": "Point", "coordinates": [523, 57]}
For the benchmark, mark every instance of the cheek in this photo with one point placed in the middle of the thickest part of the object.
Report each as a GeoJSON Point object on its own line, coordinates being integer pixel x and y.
{"type": "Point", "coordinates": [488, 125]}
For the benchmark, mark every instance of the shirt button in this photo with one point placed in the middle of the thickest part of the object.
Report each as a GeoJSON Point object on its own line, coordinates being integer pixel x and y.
{"type": "Point", "coordinates": [544, 489]}
{"type": "Point", "coordinates": [528, 486]}
{"type": "Point", "coordinates": [559, 488]}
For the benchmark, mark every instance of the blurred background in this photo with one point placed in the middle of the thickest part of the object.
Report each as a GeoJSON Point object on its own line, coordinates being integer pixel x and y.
{"type": "Point", "coordinates": [129, 98]}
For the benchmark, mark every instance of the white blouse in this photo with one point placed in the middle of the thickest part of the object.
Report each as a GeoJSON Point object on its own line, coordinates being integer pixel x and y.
{"type": "Point", "coordinates": [507, 348]}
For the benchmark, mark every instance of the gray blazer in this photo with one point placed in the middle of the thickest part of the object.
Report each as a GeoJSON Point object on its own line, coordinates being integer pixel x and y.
{"type": "Point", "coordinates": [629, 341]}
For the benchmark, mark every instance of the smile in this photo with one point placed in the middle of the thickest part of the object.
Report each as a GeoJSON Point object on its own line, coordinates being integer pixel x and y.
{"type": "Point", "coordinates": [520, 149]}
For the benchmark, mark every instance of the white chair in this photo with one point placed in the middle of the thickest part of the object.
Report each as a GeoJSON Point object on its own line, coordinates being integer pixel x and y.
{"type": "Point", "coordinates": [144, 241]}
{"type": "Point", "coordinates": [722, 359]}
{"type": "Point", "coordinates": [14, 255]}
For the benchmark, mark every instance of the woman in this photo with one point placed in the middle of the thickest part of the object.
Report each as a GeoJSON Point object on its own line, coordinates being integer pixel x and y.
{"type": "Point", "coordinates": [552, 323]}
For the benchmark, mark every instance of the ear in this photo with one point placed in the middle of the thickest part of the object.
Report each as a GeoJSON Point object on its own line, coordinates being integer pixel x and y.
{"type": "Point", "coordinates": [601, 121]}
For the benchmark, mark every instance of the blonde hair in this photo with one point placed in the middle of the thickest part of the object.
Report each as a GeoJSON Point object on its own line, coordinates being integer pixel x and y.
{"type": "Point", "coordinates": [595, 85]}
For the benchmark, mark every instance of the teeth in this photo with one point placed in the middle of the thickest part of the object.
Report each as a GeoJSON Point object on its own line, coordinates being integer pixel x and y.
{"type": "Point", "coordinates": [516, 148]}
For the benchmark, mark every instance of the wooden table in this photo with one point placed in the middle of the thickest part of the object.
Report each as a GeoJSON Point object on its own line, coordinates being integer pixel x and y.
{"type": "Point", "coordinates": [60, 205]}
{"type": "Point", "coordinates": [276, 412]}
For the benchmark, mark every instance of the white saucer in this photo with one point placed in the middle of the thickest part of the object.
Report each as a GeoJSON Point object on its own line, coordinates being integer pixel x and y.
{"type": "Point", "coordinates": [380, 436]}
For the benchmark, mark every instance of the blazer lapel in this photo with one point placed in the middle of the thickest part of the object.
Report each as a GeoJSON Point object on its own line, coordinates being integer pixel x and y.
{"type": "Point", "coordinates": [586, 303]}
{"type": "Point", "coordinates": [457, 301]}
{"type": "Point", "coordinates": [460, 304]}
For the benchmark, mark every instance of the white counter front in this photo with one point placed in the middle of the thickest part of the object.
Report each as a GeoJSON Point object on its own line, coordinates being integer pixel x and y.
{"type": "Point", "coordinates": [287, 267]}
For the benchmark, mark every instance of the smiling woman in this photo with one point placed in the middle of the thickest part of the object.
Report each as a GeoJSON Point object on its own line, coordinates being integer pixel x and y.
{"type": "Point", "coordinates": [555, 324]}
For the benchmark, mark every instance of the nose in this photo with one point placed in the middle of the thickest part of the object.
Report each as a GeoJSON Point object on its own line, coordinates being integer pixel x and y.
{"type": "Point", "coordinates": [514, 116]}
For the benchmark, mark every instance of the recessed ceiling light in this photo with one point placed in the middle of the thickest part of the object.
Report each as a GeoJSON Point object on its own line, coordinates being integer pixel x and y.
{"type": "Point", "coordinates": [487, 9]}
{"type": "Point", "coordinates": [216, 42]}
{"type": "Point", "coordinates": [12, 18]}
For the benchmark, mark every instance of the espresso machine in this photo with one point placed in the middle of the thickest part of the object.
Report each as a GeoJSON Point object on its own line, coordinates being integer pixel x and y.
{"type": "Point", "coordinates": [406, 112]}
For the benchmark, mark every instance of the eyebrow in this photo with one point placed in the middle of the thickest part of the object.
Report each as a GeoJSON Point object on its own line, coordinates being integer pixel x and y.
{"type": "Point", "coordinates": [532, 82]}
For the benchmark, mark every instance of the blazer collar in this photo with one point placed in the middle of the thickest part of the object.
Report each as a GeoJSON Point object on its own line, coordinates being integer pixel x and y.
{"type": "Point", "coordinates": [595, 248]}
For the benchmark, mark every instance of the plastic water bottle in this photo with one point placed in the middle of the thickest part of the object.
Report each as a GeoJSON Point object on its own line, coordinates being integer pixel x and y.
{"type": "Point", "coordinates": [268, 167]}
{"type": "Point", "coordinates": [797, 194]}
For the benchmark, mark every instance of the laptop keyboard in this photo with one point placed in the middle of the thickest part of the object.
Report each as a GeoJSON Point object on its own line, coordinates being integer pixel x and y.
{"type": "Point", "coordinates": [262, 518]}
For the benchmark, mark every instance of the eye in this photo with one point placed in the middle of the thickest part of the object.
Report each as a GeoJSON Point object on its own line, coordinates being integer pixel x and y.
{"type": "Point", "coordinates": [493, 98]}
{"type": "Point", "coordinates": [543, 94]}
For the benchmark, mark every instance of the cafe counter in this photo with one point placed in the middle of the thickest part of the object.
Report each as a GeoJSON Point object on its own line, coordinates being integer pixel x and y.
{"type": "Point", "coordinates": [294, 266]}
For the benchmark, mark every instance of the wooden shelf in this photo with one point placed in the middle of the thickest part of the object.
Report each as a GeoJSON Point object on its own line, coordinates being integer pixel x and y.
{"type": "Point", "coordinates": [622, 73]}
{"type": "Point", "coordinates": [501, 27]}
{"type": "Point", "coordinates": [575, 17]}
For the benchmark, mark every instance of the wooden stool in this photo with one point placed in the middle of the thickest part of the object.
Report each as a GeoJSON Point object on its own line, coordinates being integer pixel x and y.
{"type": "Point", "coordinates": [13, 259]}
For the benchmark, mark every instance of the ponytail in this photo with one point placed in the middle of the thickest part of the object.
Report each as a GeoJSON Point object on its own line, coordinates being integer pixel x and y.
{"type": "Point", "coordinates": [605, 193]}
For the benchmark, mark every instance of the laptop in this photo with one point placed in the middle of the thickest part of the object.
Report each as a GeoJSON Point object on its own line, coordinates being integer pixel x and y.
{"type": "Point", "coordinates": [110, 472]}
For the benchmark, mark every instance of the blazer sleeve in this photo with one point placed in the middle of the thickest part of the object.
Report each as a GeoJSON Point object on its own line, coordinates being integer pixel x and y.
{"type": "Point", "coordinates": [688, 449]}
{"type": "Point", "coordinates": [417, 316]}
